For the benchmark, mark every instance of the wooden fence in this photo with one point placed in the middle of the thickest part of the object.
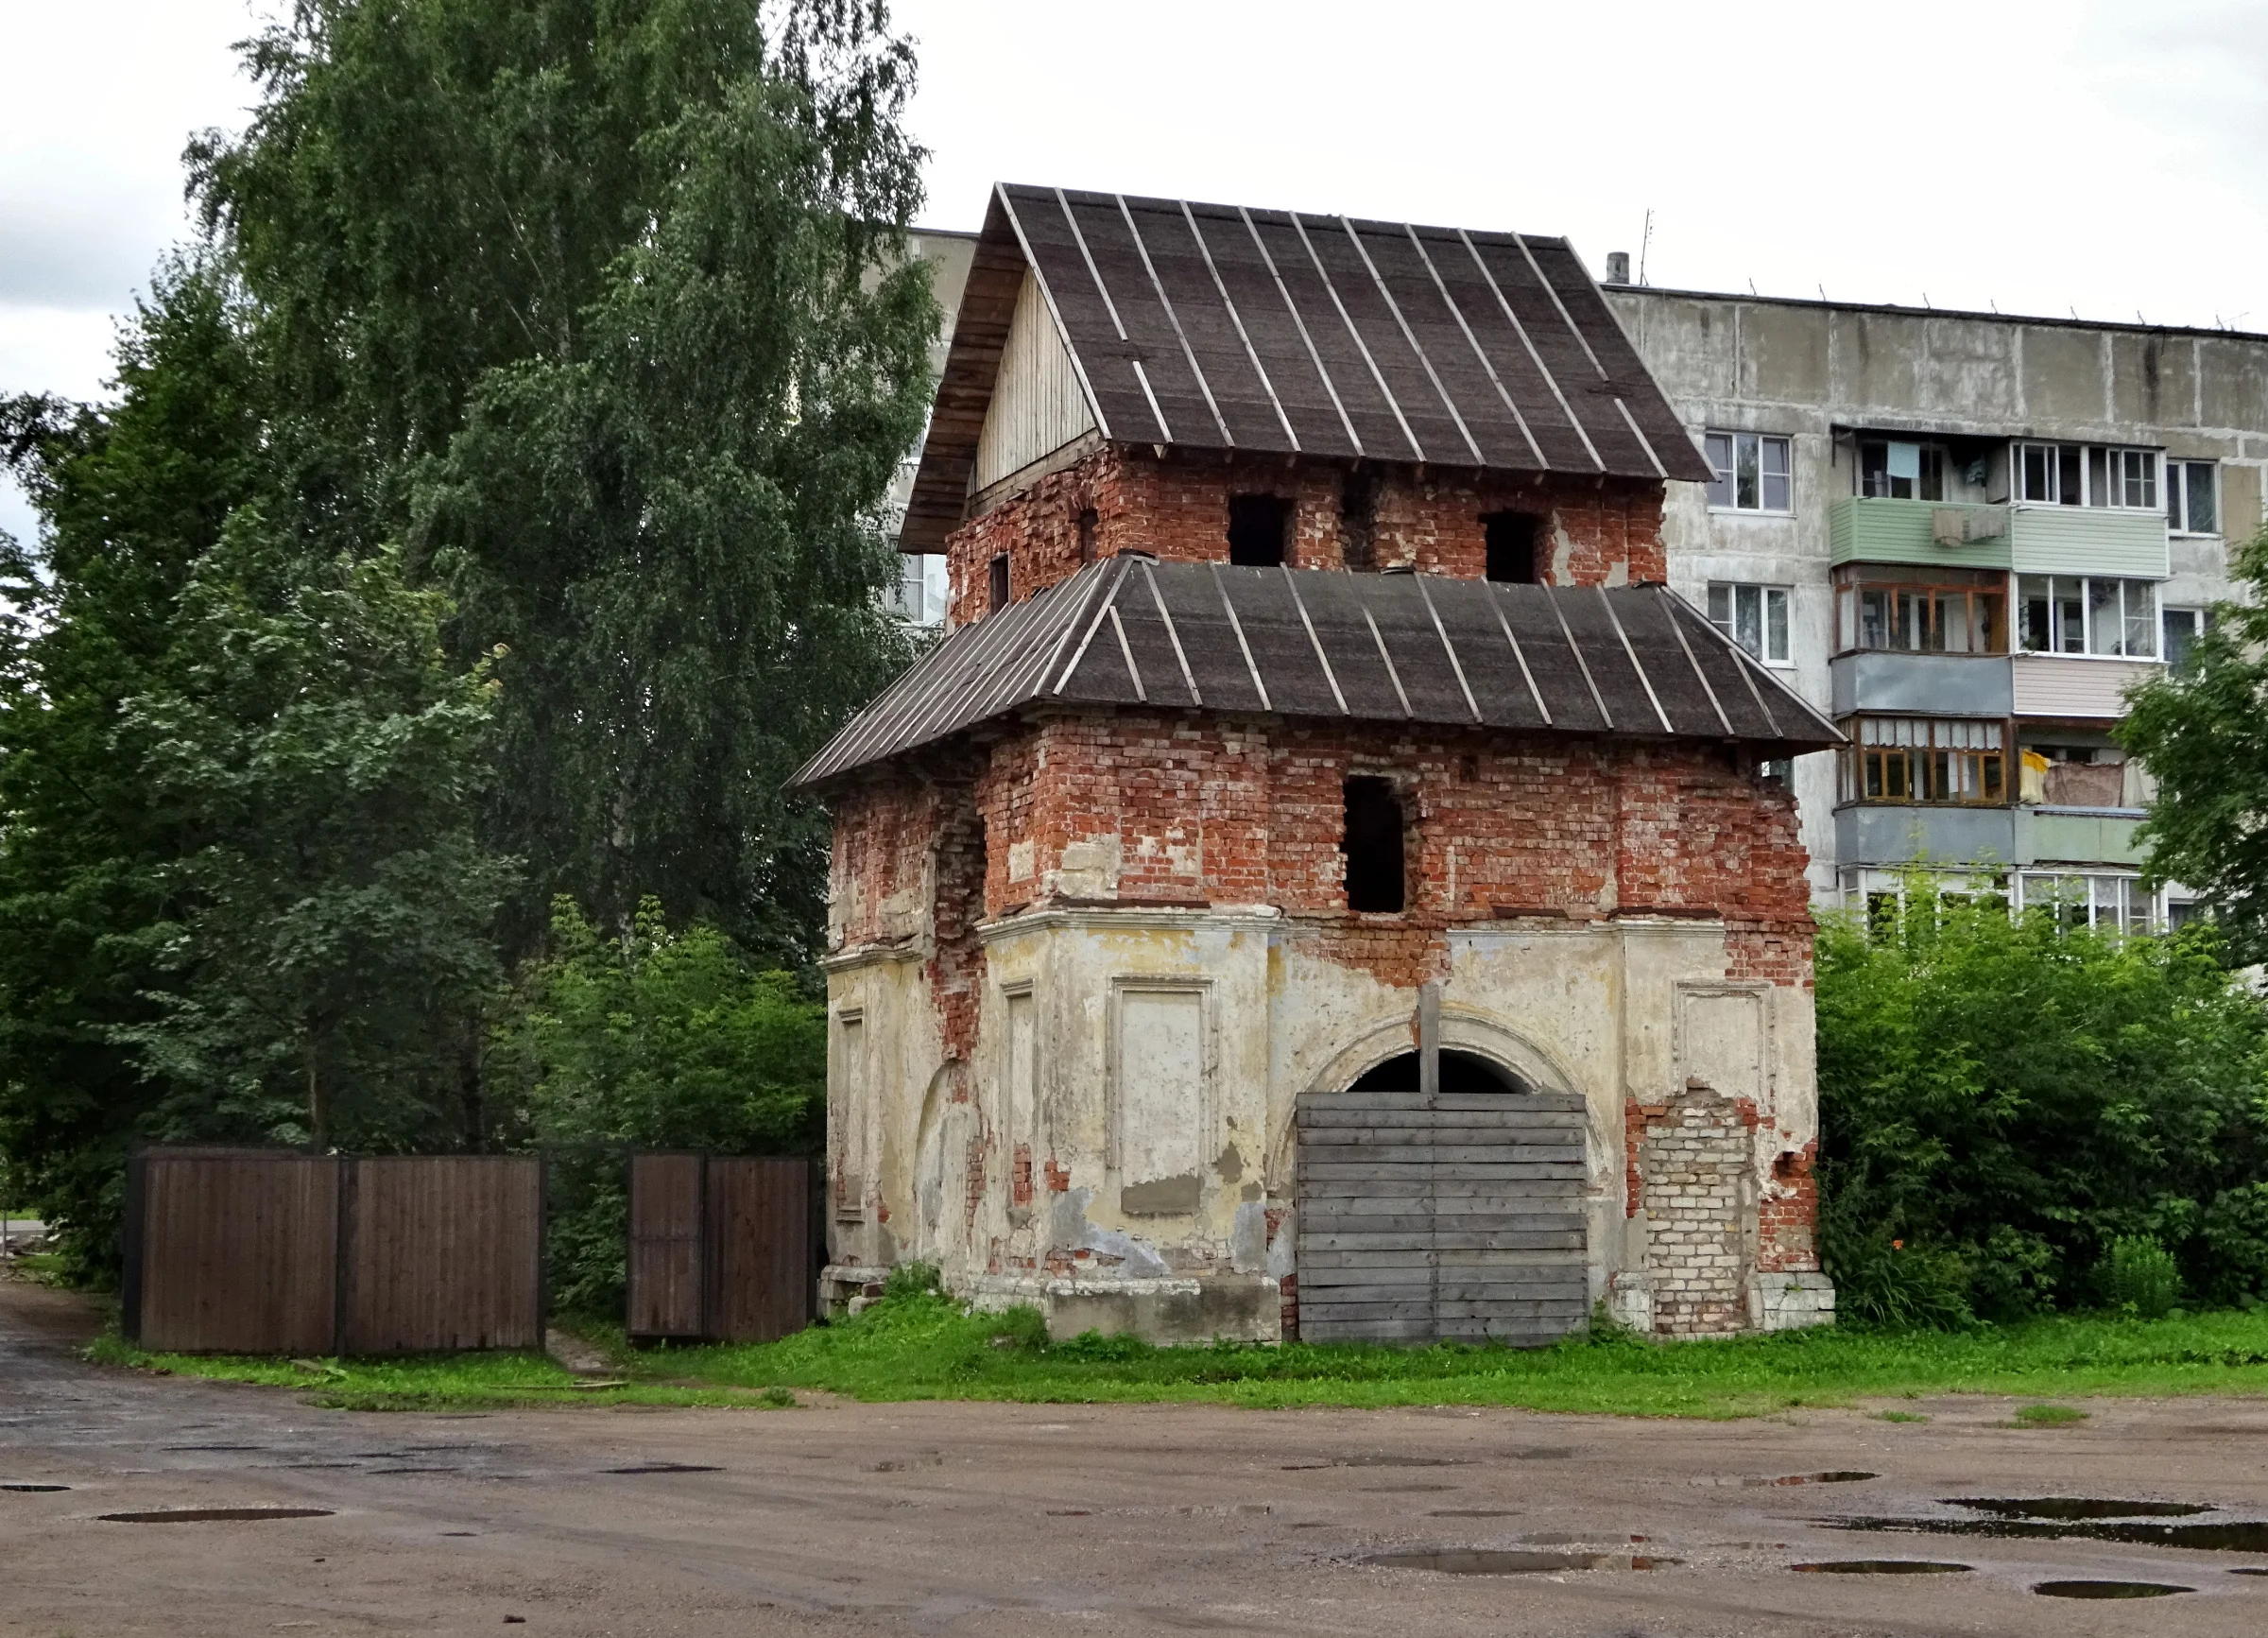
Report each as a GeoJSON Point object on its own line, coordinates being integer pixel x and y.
{"type": "Point", "coordinates": [721, 1249]}
{"type": "Point", "coordinates": [267, 1252]}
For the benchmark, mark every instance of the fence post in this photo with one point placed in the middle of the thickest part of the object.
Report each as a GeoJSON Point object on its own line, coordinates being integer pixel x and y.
{"type": "Point", "coordinates": [342, 1230]}
{"type": "Point", "coordinates": [129, 1273]}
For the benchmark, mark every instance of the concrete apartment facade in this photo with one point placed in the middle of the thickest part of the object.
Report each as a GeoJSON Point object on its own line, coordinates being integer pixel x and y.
{"type": "Point", "coordinates": [1962, 535]}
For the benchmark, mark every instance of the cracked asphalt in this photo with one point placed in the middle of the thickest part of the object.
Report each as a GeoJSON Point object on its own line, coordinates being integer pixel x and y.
{"type": "Point", "coordinates": [1010, 1520]}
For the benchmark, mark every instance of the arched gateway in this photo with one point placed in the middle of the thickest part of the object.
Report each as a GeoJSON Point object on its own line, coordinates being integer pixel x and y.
{"type": "Point", "coordinates": [1454, 1216]}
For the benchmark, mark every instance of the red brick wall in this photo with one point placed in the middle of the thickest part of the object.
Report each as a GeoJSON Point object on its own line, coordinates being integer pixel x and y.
{"type": "Point", "coordinates": [1597, 531]}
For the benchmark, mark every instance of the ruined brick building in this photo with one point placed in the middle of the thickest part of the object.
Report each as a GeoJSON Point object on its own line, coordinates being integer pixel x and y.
{"type": "Point", "coordinates": [1324, 880]}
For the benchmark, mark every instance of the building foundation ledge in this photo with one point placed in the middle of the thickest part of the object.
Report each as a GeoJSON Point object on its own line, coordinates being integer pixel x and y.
{"type": "Point", "coordinates": [1222, 1307]}
{"type": "Point", "coordinates": [1791, 1301]}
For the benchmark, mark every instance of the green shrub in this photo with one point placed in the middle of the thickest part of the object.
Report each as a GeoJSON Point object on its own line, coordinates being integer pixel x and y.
{"type": "Point", "coordinates": [2008, 1099]}
{"type": "Point", "coordinates": [913, 1280]}
{"type": "Point", "coordinates": [2140, 1276]}
{"type": "Point", "coordinates": [1884, 1282]}
{"type": "Point", "coordinates": [660, 1040]}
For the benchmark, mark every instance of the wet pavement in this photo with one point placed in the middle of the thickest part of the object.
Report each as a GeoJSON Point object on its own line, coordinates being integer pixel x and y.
{"type": "Point", "coordinates": [191, 1508]}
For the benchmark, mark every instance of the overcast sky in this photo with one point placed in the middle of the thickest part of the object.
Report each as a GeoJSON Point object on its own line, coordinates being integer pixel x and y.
{"type": "Point", "coordinates": [2046, 158]}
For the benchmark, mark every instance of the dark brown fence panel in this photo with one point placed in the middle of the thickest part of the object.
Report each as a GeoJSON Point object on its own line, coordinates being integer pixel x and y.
{"type": "Point", "coordinates": [762, 1281]}
{"type": "Point", "coordinates": [236, 1251]}
{"type": "Point", "coordinates": [443, 1251]}
{"type": "Point", "coordinates": [667, 1255]}
{"type": "Point", "coordinates": [720, 1248]}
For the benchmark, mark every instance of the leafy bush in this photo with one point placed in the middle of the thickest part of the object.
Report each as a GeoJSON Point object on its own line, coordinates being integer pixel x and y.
{"type": "Point", "coordinates": [660, 1040]}
{"type": "Point", "coordinates": [2002, 1100]}
{"type": "Point", "coordinates": [913, 1280]}
{"type": "Point", "coordinates": [2139, 1275]}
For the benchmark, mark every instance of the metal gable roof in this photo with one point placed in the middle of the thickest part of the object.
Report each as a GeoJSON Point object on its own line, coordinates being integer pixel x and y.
{"type": "Point", "coordinates": [1635, 661]}
{"type": "Point", "coordinates": [1221, 327]}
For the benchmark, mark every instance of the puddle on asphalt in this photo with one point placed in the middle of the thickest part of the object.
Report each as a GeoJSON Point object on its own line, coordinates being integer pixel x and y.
{"type": "Point", "coordinates": [1749, 1481]}
{"type": "Point", "coordinates": [2235, 1536]}
{"type": "Point", "coordinates": [214, 1515]}
{"type": "Point", "coordinates": [1406, 1490]}
{"type": "Point", "coordinates": [1474, 1513]}
{"type": "Point", "coordinates": [1496, 1561]}
{"type": "Point", "coordinates": [2251, 1570]}
{"type": "Point", "coordinates": [1542, 1453]}
{"type": "Point", "coordinates": [33, 1489]}
{"type": "Point", "coordinates": [2076, 1508]}
{"type": "Point", "coordinates": [1881, 1567]}
{"type": "Point", "coordinates": [641, 1468]}
{"type": "Point", "coordinates": [1376, 1461]}
{"type": "Point", "coordinates": [2107, 1589]}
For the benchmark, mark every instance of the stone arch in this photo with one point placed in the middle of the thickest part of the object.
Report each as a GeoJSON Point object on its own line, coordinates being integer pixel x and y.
{"type": "Point", "coordinates": [1463, 1029]}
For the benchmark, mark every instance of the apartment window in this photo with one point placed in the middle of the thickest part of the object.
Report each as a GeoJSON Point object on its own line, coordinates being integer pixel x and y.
{"type": "Point", "coordinates": [920, 599]}
{"type": "Point", "coordinates": [1951, 612]}
{"type": "Point", "coordinates": [1923, 759]}
{"type": "Point", "coordinates": [1511, 546]}
{"type": "Point", "coordinates": [1752, 472]}
{"type": "Point", "coordinates": [997, 588]}
{"type": "Point", "coordinates": [1756, 617]}
{"type": "Point", "coordinates": [2107, 903]}
{"type": "Point", "coordinates": [2087, 614]}
{"type": "Point", "coordinates": [2183, 627]}
{"type": "Point", "coordinates": [1890, 470]}
{"type": "Point", "coordinates": [2075, 474]}
{"type": "Point", "coordinates": [2193, 499]}
{"type": "Point", "coordinates": [1373, 846]}
{"type": "Point", "coordinates": [1258, 525]}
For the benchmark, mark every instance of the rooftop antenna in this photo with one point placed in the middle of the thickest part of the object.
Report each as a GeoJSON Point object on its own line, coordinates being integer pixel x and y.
{"type": "Point", "coordinates": [1822, 292]}
{"type": "Point", "coordinates": [1752, 284]}
{"type": "Point", "coordinates": [1925, 299]}
{"type": "Point", "coordinates": [1645, 243]}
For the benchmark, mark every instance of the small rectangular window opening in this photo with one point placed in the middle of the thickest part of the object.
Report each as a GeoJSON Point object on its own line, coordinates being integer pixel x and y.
{"type": "Point", "coordinates": [1512, 546]}
{"type": "Point", "coordinates": [1358, 521]}
{"type": "Point", "coordinates": [1375, 865]}
{"type": "Point", "coordinates": [1258, 525]}
{"type": "Point", "coordinates": [999, 587]}
{"type": "Point", "coordinates": [1087, 525]}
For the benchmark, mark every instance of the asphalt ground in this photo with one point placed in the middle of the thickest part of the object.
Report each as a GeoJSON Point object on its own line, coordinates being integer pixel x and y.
{"type": "Point", "coordinates": [1009, 1519]}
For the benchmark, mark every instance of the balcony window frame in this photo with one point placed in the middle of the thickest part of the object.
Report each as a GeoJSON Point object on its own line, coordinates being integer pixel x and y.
{"type": "Point", "coordinates": [2198, 622]}
{"type": "Point", "coordinates": [2114, 477]}
{"type": "Point", "coordinates": [1765, 599]}
{"type": "Point", "coordinates": [1905, 761]}
{"type": "Point", "coordinates": [1725, 448]}
{"type": "Point", "coordinates": [2102, 905]}
{"type": "Point", "coordinates": [2089, 601]}
{"type": "Point", "coordinates": [1985, 596]}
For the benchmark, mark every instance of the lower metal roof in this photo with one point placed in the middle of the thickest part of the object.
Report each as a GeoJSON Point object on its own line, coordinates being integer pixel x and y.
{"type": "Point", "coordinates": [1634, 660]}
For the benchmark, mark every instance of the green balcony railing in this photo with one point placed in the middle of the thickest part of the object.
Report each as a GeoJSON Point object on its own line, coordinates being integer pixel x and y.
{"type": "Point", "coordinates": [1872, 529]}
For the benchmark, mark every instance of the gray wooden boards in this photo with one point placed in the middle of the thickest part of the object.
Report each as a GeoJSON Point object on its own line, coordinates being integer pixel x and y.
{"type": "Point", "coordinates": [1630, 661]}
{"type": "Point", "coordinates": [1457, 1216]}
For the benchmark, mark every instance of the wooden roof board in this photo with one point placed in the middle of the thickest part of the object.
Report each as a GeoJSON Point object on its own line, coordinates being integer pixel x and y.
{"type": "Point", "coordinates": [1070, 645]}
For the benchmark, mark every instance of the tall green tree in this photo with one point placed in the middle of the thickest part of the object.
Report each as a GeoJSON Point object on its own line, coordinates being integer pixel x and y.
{"type": "Point", "coordinates": [131, 498]}
{"type": "Point", "coordinates": [2202, 730]}
{"type": "Point", "coordinates": [603, 304]}
{"type": "Point", "coordinates": [321, 765]}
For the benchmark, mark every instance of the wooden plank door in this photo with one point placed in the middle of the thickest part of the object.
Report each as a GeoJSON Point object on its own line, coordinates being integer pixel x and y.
{"type": "Point", "coordinates": [1458, 1215]}
{"type": "Point", "coordinates": [764, 1284]}
{"type": "Point", "coordinates": [668, 1244]}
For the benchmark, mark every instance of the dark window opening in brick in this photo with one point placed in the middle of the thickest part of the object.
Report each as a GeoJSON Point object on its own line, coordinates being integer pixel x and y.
{"type": "Point", "coordinates": [1358, 521]}
{"type": "Point", "coordinates": [1258, 525]}
{"type": "Point", "coordinates": [1375, 865]}
{"type": "Point", "coordinates": [1087, 523]}
{"type": "Point", "coordinates": [1460, 1071]}
{"type": "Point", "coordinates": [1512, 539]}
{"type": "Point", "coordinates": [1000, 583]}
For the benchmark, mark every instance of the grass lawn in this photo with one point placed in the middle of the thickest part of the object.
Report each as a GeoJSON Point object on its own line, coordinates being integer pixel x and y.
{"type": "Point", "coordinates": [925, 1347]}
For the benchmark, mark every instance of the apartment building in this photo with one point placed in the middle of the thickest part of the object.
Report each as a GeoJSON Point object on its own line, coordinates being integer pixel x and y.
{"type": "Point", "coordinates": [1965, 536]}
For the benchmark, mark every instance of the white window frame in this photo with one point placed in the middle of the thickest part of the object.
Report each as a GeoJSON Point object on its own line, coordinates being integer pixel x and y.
{"type": "Point", "coordinates": [2198, 620]}
{"type": "Point", "coordinates": [2112, 898]}
{"type": "Point", "coordinates": [2180, 480]}
{"type": "Point", "coordinates": [2123, 594]}
{"type": "Point", "coordinates": [1723, 450]}
{"type": "Point", "coordinates": [2126, 470]}
{"type": "Point", "coordinates": [1765, 600]}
